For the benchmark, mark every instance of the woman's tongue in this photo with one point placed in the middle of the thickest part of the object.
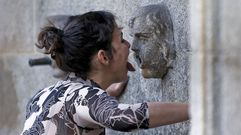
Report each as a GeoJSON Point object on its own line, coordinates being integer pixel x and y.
{"type": "Point", "coordinates": [130, 67]}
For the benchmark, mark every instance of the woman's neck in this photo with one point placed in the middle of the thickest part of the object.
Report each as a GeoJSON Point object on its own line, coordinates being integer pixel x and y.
{"type": "Point", "coordinates": [102, 80]}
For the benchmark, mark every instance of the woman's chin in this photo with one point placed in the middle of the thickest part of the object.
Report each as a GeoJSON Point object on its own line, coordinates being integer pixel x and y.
{"type": "Point", "coordinates": [124, 78]}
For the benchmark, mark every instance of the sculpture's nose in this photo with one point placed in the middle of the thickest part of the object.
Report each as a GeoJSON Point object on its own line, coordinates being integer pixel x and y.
{"type": "Point", "coordinates": [134, 46]}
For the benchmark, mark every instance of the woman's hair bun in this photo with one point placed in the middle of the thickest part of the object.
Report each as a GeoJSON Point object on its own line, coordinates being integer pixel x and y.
{"type": "Point", "coordinates": [50, 39]}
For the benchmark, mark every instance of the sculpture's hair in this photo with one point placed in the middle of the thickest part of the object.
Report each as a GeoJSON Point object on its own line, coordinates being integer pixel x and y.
{"type": "Point", "coordinates": [159, 17]}
{"type": "Point", "coordinates": [83, 35]}
{"type": "Point", "coordinates": [156, 15]}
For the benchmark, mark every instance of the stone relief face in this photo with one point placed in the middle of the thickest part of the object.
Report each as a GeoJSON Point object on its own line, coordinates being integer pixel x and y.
{"type": "Point", "coordinates": [153, 41]}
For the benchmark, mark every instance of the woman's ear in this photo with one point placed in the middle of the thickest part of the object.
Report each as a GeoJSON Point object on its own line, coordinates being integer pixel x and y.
{"type": "Point", "coordinates": [102, 57]}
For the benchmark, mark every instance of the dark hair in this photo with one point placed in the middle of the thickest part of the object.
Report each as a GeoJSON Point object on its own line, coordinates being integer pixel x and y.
{"type": "Point", "coordinates": [73, 47]}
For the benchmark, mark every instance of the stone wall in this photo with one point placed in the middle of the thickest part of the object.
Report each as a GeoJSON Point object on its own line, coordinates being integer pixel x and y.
{"type": "Point", "coordinates": [20, 22]}
{"type": "Point", "coordinates": [216, 75]}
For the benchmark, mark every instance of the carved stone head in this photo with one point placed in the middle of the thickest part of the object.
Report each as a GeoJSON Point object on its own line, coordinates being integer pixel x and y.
{"type": "Point", "coordinates": [153, 40]}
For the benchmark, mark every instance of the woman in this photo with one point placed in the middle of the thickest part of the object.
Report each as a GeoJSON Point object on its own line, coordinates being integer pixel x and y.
{"type": "Point", "coordinates": [91, 47]}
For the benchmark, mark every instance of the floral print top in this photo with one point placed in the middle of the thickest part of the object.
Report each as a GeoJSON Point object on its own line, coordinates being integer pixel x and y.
{"type": "Point", "coordinates": [80, 107]}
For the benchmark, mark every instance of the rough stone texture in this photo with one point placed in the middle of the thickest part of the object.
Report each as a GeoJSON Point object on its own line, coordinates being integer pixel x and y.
{"type": "Point", "coordinates": [22, 20]}
{"type": "Point", "coordinates": [216, 64]}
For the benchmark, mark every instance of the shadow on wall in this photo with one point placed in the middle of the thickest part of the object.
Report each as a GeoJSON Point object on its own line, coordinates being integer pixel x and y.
{"type": "Point", "coordinates": [8, 99]}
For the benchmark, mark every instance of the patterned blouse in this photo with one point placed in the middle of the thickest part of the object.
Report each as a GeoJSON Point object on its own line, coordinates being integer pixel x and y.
{"type": "Point", "coordinates": [78, 107]}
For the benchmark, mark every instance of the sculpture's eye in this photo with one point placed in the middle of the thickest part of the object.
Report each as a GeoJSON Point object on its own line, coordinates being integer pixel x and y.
{"type": "Point", "coordinates": [143, 35]}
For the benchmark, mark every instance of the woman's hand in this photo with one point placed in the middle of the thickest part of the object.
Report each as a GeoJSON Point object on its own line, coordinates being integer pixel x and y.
{"type": "Point", "coordinates": [116, 89]}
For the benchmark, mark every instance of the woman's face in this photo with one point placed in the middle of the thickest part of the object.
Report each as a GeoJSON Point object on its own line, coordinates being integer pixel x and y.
{"type": "Point", "coordinates": [119, 61]}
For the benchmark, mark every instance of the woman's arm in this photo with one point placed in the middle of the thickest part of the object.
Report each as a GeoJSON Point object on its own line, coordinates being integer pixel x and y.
{"type": "Point", "coordinates": [107, 111]}
{"type": "Point", "coordinates": [159, 113]}
{"type": "Point", "coordinates": [167, 113]}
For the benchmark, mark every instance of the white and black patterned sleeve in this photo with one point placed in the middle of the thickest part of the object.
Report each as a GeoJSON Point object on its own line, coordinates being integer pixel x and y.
{"type": "Point", "coordinates": [95, 105]}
